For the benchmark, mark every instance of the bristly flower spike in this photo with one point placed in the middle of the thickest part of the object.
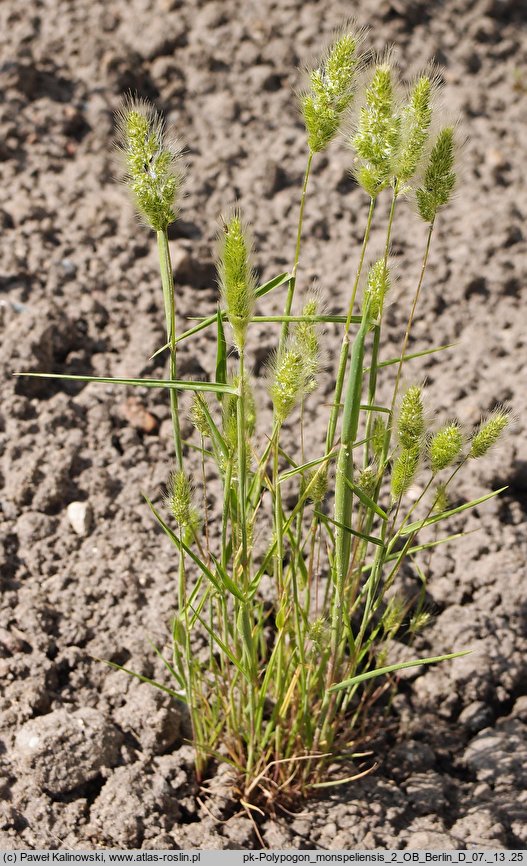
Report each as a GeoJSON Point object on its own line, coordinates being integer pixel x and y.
{"type": "Point", "coordinates": [153, 164]}
{"type": "Point", "coordinates": [379, 132]}
{"type": "Point", "coordinates": [378, 437]}
{"type": "Point", "coordinates": [236, 276]}
{"type": "Point", "coordinates": [368, 478]}
{"type": "Point", "coordinates": [440, 178]}
{"type": "Point", "coordinates": [404, 471]}
{"type": "Point", "coordinates": [377, 286]}
{"type": "Point", "coordinates": [179, 498]}
{"type": "Point", "coordinates": [411, 423]}
{"type": "Point", "coordinates": [489, 431]}
{"type": "Point", "coordinates": [198, 416]}
{"type": "Point", "coordinates": [330, 91]}
{"type": "Point", "coordinates": [440, 502]}
{"type": "Point", "coordinates": [416, 117]}
{"type": "Point", "coordinates": [445, 447]}
{"type": "Point", "coordinates": [410, 431]}
{"type": "Point", "coordinates": [295, 368]}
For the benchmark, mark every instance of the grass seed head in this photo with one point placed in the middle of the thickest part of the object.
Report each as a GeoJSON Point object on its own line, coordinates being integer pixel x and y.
{"type": "Point", "coordinates": [288, 381]}
{"type": "Point", "coordinates": [230, 417]}
{"type": "Point", "coordinates": [319, 633]}
{"type": "Point", "coordinates": [404, 471]}
{"type": "Point", "coordinates": [393, 616]}
{"type": "Point", "coordinates": [378, 437]}
{"type": "Point", "coordinates": [440, 499]}
{"type": "Point", "coordinates": [489, 432]}
{"type": "Point", "coordinates": [179, 499]}
{"type": "Point", "coordinates": [306, 338]}
{"type": "Point", "coordinates": [295, 369]}
{"type": "Point", "coordinates": [153, 164]}
{"type": "Point", "coordinates": [377, 286]}
{"type": "Point", "coordinates": [419, 621]}
{"type": "Point", "coordinates": [411, 422]}
{"type": "Point", "coordinates": [367, 480]}
{"type": "Point", "coordinates": [198, 416]}
{"type": "Point", "coordinates": [317, 482]}
{"type": "Point", "coordinates": [378, 135]}
{"type": "Point", "coordinates": [440, 178]}
{"type": "Point", "coordinates": [416, 117]}
{"type": "Point", "coordinates": [236, 276]}
{"type": "Point", "coordinates": [330, 91]}
{"type": "Point", "coordinates": [445, 447]}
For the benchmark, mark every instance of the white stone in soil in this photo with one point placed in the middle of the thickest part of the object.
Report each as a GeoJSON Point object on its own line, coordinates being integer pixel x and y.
{"type": "Point", "coordinates": [80, 516]}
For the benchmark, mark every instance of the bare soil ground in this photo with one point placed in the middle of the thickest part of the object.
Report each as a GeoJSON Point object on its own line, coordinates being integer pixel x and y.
{"type": "Point", "coordinates": [87, 756]}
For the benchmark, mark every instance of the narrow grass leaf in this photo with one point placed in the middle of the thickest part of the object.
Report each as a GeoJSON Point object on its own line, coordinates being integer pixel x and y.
{"type": "Point", "coordinates": [221, 353]}
{"type": "Point", "coordinates": [391, 361]}
{"type": "Point", "coordinates": [436, 518]}
{"type": "Point", "coordinates": [280, 319]}
{"type": "Point", "coordinates": [143, 679]}
{"type": "Point", "coordinates": [366, 500]}
{"type": "Point", "coordinates": [175, 384]}
{"type": "Point", "coordinates": [389, 669]}
{"type": "Point", "coordinates": [272, 284]}
{"type": "Point", "coordinates": [218, 439]}
{"type": "Point", "coordinates": [170, 668]}
{"type": "Point", "coordinates": [367, 407]}
{"type": "Point", "coordinates": [327, 320]}
{"type": "Point", "coordinates": [305, 466]}
{"type": "Point", "coordinates": [226, 580]}
{"type": "Point", "coordinates": [370, 538]}
{"type": "Point", "coordinates": [223, 646]}
{"type": "Point", "coordinates": [426, 546]}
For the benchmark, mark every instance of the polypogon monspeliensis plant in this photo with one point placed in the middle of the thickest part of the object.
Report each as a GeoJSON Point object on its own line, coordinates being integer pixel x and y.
{"type": "Point", "coordinates": [288, 686]}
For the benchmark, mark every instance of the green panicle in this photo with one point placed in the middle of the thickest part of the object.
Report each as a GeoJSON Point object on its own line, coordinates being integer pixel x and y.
{"type": "Point", "coordinates": [230, 422]}
{"type": "Point", "coordinates": [193, 526]}
{"type": "Point", "coordinates": [317, 481]}
{"type": "Point", "coordinates": [440, 179]}
{"type": "Point", "coordinates": [376, 288]}
{"type": "Point", "coordinates": [198, 416]}
{"type": "Point", "coordinates": [153, 165]}
{"type": "Point", "coordinates": [330, 93]}
{"type": "Point", "coordinates": [378, 136]}
{"type": "Point", "coordinates": [295, 368]}
{"type": "Point", "coordinates": [318, 633]}
{"type": "Point", "coordinates": [250, 404]}
{"type": "Point", "coordinates": [411, 423]}
{"type": "Point", "coordinates": [307, 341]}
{"type": "Point", "coordinates": [179, 499]}
{"type": "Point", "coordinates": [288, 382]}
{"type": "Point", "coordinates": [378, 437]}
{"type": "Point", "coordinates": [393, 616]}
{"type": "Point", "coordinates": [404, 470]}
{"type": "Point", "coordinates": [367, 480]}
{"type": "Point", "coordinates": [419, 621]}
{"type": "Point", "coordinates": [445, 447]}
{"type": "Point", "coordinates": [416, 117]}
{"type": "Point", "coordinates": [230, 415]}
{"type": "Point", "coordinates": [488, 432]}
{"type": "Point", "coordinates": [237, 278]}
{"type": "Point", "coordinates": [440, 499]}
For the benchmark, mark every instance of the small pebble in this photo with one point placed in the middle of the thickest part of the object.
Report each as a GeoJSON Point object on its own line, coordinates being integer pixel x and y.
{"type": "Point", "coordinates": [80, 516]}
{"type": "Point", "coordinates": [133, 411]}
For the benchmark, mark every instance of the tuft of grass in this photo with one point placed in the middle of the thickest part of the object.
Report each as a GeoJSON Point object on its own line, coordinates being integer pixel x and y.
{"type": "Point", "coordinates": [289, 681]}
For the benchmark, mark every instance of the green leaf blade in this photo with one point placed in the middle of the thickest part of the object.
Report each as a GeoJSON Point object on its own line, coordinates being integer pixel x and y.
{"type": "Point", "coordinates": [389, 669]}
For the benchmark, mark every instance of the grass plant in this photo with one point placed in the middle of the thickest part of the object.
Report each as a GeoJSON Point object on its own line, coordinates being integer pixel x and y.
{"type": "Point", "coordinates": [287, 686]}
